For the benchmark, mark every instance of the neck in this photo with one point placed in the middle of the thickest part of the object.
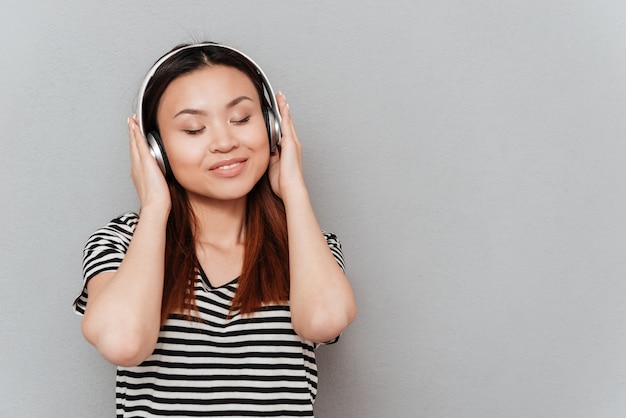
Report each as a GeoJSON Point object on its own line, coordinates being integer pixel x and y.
{"type": "Point", "coordinates": [220, 223]}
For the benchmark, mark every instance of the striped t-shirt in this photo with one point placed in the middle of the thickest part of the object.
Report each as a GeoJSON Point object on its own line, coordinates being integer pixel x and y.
{"type": "Point", "coordinates": [217, 366]}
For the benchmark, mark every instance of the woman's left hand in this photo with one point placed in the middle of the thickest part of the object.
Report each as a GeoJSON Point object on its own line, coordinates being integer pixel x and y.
{"type": "Point", "coordinates": [285, 171]}
{"type": "Point", "coordinates": [321, 300]}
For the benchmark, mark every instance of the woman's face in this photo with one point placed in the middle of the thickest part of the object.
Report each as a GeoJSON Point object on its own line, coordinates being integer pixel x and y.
{"type": "Point", "coordinates": [214, 133]}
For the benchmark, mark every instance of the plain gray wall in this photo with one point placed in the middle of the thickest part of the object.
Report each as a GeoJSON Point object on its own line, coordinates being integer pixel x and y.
{"type": "Point", "coordinates": [471, 155]}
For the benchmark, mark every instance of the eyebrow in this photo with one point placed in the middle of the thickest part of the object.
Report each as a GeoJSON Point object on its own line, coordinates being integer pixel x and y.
{"type": "Point", "coordinates": [229, 105]}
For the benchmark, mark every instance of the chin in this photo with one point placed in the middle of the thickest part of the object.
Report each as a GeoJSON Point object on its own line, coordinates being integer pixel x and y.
{"type": "Point", "coordinates": [221, 194]}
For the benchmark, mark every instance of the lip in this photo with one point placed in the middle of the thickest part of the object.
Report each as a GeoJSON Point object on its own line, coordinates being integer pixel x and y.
{"type": "Point", "coordinates": [228, 168]}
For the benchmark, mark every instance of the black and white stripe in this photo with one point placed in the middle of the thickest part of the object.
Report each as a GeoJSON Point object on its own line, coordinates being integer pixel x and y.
{"type": "Point", "coordinates": [218, 366]}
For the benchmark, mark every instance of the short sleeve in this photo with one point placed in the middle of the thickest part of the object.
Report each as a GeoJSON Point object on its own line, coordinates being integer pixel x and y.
{"type": "Point", "coordinates": [104, 251]}
{"type": "Point", "coordinates": [335, 249]}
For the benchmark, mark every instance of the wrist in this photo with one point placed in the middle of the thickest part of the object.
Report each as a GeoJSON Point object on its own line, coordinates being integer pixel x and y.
{"type": "Point", "coordinates": [155, 213]}
{"type": "Point", "coordinates": [293, 193]}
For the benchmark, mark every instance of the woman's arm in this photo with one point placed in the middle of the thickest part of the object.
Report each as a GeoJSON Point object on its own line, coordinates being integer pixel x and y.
{"type": "Point", "coordinates": [122, 318]}
{"type": "Point", "coordinates": [321, 299]}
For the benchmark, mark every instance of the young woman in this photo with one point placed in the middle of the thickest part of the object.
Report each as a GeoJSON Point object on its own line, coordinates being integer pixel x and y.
{"type": "Point", "coordinates": [212, 300]}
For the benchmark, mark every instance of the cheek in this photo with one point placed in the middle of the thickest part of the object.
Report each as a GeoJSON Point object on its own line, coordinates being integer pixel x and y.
{"type": "Point", "coordinates": [257, 133]}
{"type": "Point", "coordinates": [182, 154]}
{"type": "Point", "coordinates": [266, 162]}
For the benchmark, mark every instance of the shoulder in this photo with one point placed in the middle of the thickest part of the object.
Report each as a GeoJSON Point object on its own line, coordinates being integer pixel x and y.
{"type": "Point", "coordinates": [115, 236]}
{"type": "Point", "coordinates": [125, 223]}
{"type": "Point", "coordinates": [121, 226]}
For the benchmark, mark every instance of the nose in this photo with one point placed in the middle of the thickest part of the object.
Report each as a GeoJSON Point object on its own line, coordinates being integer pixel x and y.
{"type": "Point", "coordinates": [222, 139]}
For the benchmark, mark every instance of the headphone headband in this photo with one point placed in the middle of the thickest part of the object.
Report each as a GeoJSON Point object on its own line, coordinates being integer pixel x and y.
{"type": "Point", "coordinates": [273, 130]}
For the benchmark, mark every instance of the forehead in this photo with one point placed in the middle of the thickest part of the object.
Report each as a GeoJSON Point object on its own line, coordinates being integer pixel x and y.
{"type": "Point", "coordinates": [210, 85]}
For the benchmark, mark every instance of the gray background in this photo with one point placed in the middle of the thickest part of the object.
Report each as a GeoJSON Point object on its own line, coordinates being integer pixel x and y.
{"type": "Point", "coordinates": [470, 154]}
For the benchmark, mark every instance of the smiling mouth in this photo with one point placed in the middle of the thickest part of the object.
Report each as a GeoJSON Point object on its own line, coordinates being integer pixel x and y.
{"type": "Point", "coordinates": [227, 167]}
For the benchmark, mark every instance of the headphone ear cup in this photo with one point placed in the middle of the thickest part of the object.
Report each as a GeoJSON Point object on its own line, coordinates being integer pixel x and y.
{"type": "Point", "coordinates": [273, 128]}
{"type": "Point", "coordinates": [266, 117]}
{"type": "Point", "coordinates": [158, 152]}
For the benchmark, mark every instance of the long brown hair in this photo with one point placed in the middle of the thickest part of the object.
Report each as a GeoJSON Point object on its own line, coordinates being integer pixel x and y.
{"type": "Point", "coordinates": [265, 272]}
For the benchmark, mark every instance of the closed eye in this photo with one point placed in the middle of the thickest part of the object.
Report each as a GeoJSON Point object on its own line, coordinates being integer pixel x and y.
{"type": "Point", "coordinates": [194, 131]}
{"type": "Point", "coordinates": [240, 121]}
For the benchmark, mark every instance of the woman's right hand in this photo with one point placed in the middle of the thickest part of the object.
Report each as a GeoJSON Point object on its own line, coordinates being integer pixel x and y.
{"type": "Point", "coordinates": [147, 177]}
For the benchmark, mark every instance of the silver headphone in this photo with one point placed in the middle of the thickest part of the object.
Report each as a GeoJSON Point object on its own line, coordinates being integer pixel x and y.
{"type": "Point", "coordinates": [272, 114]}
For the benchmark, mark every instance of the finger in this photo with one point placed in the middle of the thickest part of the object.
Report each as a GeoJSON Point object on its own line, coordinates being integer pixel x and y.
{"type": "Point", "coordinates": [287, 126]}
{"type": "Point", "coordinates": [281, 101]}
{"type": "Point", "coordinates": [134, 151]}
{"type": "Point", "coordinates": [137, 136]}
{"type": "Point", "coordinates": [283, 108]}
